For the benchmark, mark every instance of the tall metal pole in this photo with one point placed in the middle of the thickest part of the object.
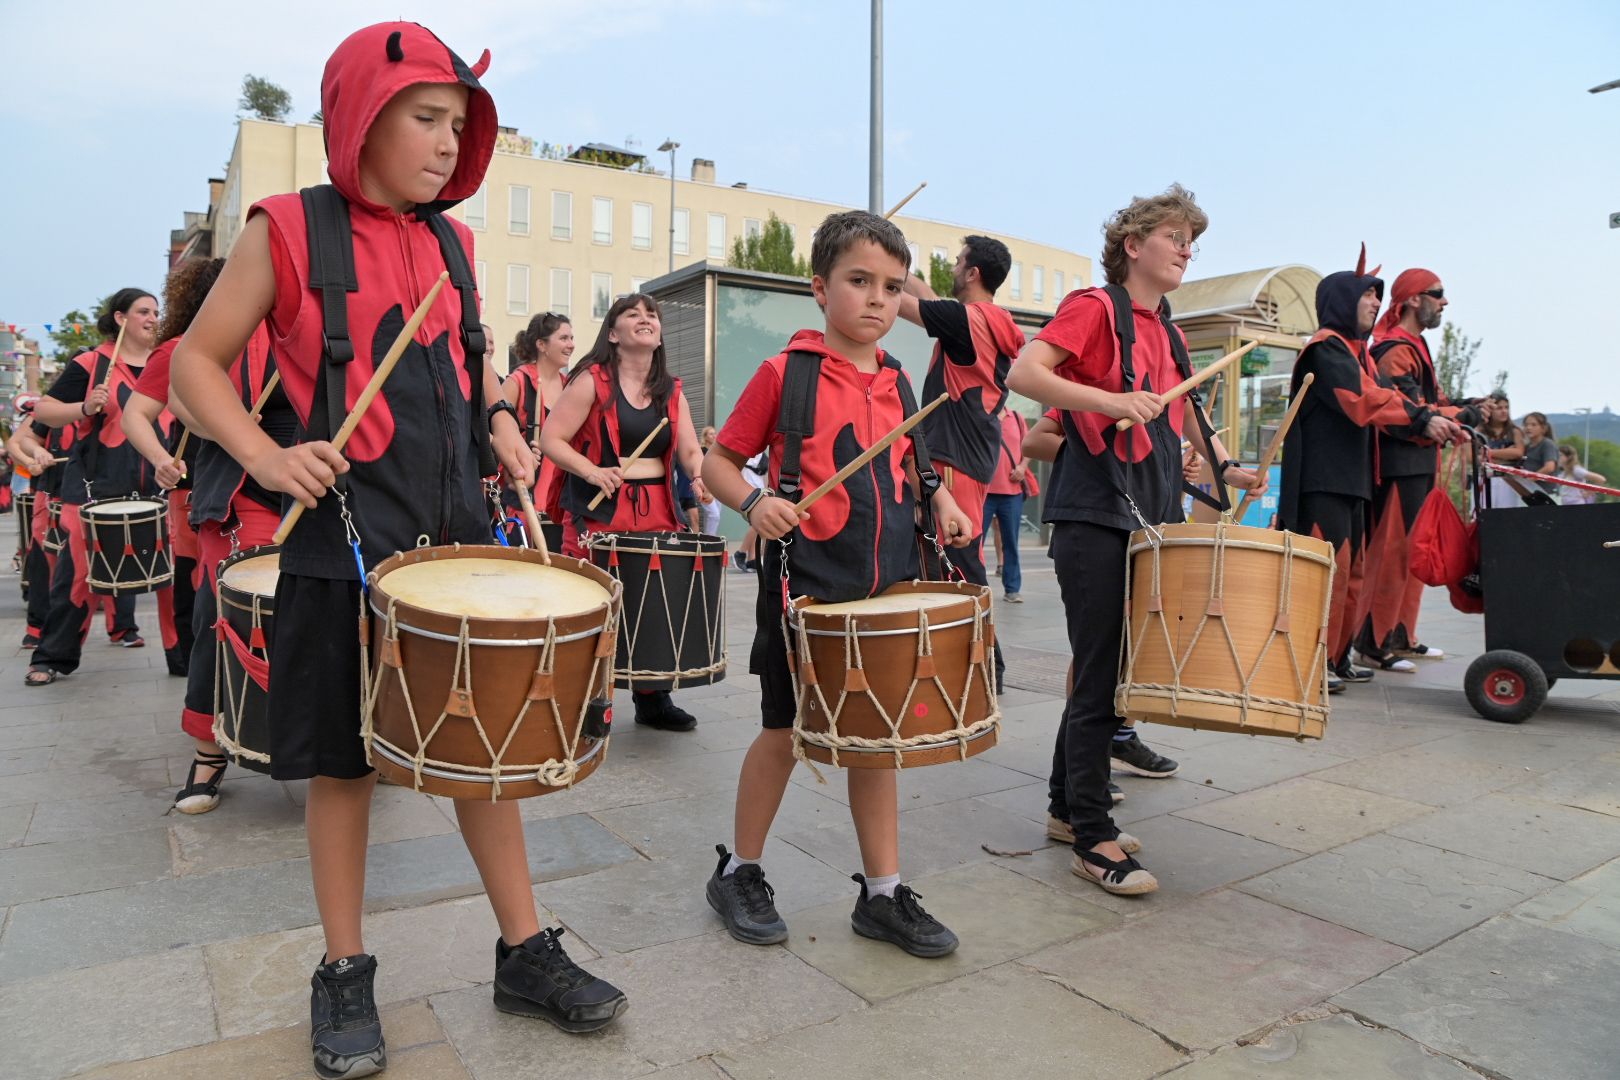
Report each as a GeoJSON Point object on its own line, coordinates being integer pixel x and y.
{"type": "Point", "coordinates": [672, 209]}
{"type": "Point", "coordinates": [874, 197]}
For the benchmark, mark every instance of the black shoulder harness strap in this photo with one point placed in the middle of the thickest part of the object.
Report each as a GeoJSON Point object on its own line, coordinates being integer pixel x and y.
{"type": "Point", "coordinates": [92, 445]}
{"type": "Point", "coordinates": [472, 333]}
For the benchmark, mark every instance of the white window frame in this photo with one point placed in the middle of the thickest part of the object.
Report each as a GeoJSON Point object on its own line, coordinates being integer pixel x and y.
{"type": "Point", "coordinates": [641, 241]}
{"type": "Point", "coordinates": [517, 289]}
{"type": "Point", "coordinates": [941, 253]}
{"type": "Point", "coordinates": [638, 283]}
{"type": "Point", "coordinates": [1037, 285]}
{"type": "Point", "coordinates": [916, 258]}
{"type": "Point", "coordinates": [1015, 280]}
{"type": "Point", "coordinates": [601, 294]}
{"type": "Point", "coordinates": [752, 227]}
{"type": "Point", "coordinates": [600, 205]}
{"type": "Point", "coordinates": [1058, 292]}
{"type": "Point", "coordinates": [481, 272]}
{"type": "Point", "coordinates": [475, 211]}
{"type": "Point", "coordinates": [683, 231]}
{"type": "Point", "coordinates": [518, 194]}
{"type": "Point", "coordinates": [716, 250]}
{"type": "Point", "coordinates": [562, 225]}
{"type": "Point", "coordinates": [562, 304]}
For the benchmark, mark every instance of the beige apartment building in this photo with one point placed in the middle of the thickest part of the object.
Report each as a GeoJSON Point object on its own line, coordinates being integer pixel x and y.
{"type": "Point", "coordinates": [556, 233]}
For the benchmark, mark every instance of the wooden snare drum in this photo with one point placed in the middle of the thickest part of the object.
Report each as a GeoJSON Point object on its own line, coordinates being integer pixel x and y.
{"type": "Point", "coordinates": [674, 607]}
{"type": "Point", "coordinates": [245, 591]}
{"type": "Point", "coordinates": [1226, 629]}
{"type": "Point", "coordinates": [127, 543]}
{"type": "Point", "coordinates": [490, 672]}
{"type": "Point", "coordinates": [897, 680]}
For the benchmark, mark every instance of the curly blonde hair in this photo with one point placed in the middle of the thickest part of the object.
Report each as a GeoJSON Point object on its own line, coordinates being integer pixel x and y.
{"type": "Point", "coordinates": [1140, 218]}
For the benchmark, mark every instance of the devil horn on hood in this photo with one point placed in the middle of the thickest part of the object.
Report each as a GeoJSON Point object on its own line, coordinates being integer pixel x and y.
{"type": "Point", "coordinates": [482, 65]}
{"type": "Point", "coordinates": [1361, 263]}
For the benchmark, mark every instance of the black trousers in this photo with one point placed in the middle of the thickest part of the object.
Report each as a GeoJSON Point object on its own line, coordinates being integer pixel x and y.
{"type": "Point", "coordinates": [1090, 564]}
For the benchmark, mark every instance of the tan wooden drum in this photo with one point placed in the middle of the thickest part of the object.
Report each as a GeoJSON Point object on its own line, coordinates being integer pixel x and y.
{"type": "Point", "coordinates": [897, 680]}
{"type": "Point", "coordinates": [491, 673]}
{"type": "Point", "coordinates": [245, 591]}
{"type": "Point", "coordinates": [127, 545]}
{"type": "Point", "coordinates": [1225, 630]}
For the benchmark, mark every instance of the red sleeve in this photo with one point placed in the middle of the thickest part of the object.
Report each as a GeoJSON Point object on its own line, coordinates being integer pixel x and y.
{"type": "Point", "coordinates": [1080, 328]}
{"type": "Point", "coordinates": [285, 311]}
{"type": "Point", "coordinates": [154, 380]}
{"type": "Point", "coordinates": [1052, 415]}
{"type": "Point", "coordinates": [751, 427]}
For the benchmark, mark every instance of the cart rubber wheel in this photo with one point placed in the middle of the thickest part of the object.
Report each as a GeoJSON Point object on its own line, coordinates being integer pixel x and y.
{"type": "Point", "coordinates": [1505, 686]}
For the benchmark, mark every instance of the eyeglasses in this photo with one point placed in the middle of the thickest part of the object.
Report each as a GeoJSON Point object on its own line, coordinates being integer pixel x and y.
{"type": "Point", "coordinates": [1182, 242]}
{"type": "Point", "coordinates": [1436, 292]}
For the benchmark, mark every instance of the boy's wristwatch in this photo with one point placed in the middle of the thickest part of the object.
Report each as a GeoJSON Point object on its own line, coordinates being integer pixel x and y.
{"type": "Point", "coordinates": [500, 406]}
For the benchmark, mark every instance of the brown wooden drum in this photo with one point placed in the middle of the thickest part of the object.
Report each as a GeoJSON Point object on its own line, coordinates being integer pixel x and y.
{"type": "Point", "coordinates": [897, 680]}
{"type": "Point", "coordinates": [1225, 630]}
{"type": "Point", "coordinates": [490, 671]}
{"type": "Point", "coordinates": [127, 545]}
{"type": "Point", "coordinates": [245, 590]}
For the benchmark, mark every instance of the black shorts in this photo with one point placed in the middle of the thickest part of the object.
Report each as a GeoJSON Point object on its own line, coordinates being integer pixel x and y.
{"type": "Point", "coordinates": [768, 659]}
{"type": "Point", "coordinates": [315, 680]}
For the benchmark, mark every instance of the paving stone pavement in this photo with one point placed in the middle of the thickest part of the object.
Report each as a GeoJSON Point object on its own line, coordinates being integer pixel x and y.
{"type": "Point", "coordinates": [1422, 896]}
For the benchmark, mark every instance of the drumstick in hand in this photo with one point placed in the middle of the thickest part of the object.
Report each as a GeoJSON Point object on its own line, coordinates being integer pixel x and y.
{"type": "Point", "coordinates": [264, 396]}
{"type": "Point", "coordinates": [1276, 441]}
{"type": "Point", "coordinates": [882, 444]}
{"type": "Point", "coordinates": [369, 394]}
{"type": "Point", "coordinates": [531, 521]}
{"type": "Point", "coordinates": [1191, 384]}
{"type": "Point", "coordinates": [895, 209]}
{"type": "Point", "coordinates": [635, 455]}
{"type": "Point", "coordinates": [113, 363]}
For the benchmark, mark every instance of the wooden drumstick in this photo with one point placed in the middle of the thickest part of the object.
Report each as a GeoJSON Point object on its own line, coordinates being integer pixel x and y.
{"type": "Point", "coordinates": [531, 521]}
{"type": "Point", "coordinates": [635, 455]}
{"type": "Point", "coordinates": [264, 396]}
{"type": "Point", "coordinates": [363, 402]}
{"type": "Point", "coordinates": [895, 209]}
{"type": "Point", "coordinates": [1182, 388]}
{"type": "Point", "coordinates": [1611, 543]}
{"type": "Point", "coordinates": [882, 444]}
{"type": "Point", "coordinates": [1276, 441]}
{"type": "Point", "coordinates": [113, 363]}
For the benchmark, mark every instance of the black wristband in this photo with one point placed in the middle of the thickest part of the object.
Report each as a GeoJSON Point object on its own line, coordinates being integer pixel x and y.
{"type": "Point", "coordinates": [748, 503]}
{"type": "Point", "coordinates": [499, 407]}
{"type": "Point", "coordinates": [1229, 463]}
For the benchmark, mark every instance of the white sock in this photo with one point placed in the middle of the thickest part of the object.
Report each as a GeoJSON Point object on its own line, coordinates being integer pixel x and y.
{"type": "Point", "coordinates": [737, 861]}
{"type": "Point", "coordinates": [882, 886]}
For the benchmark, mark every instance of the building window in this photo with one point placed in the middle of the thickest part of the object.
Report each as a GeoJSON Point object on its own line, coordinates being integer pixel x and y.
{"type": "Point", "coordinates": [683, 232]}
{"type": "Point", "coordinates": [1016, 280]}
{"type": "Point", "coordinates": [793, 233]}
{"type": "Point", "coordinates": [475, 210]}
{"type": "Point", "coordinates": [517, 222]}
{"type": "Point", "coordinates": [916, 253]}
{"type": "Point", "coordinates": [1037, 284]}
{"type": "Point", "coordinates": [939, 253]}
{"type": "Point", "coordinates": [562, 215]}
{"type": "Point", "coordinates": [601, 220]}
{"type": "Point", "coordinates": [481, 271]}
{"type": "Point", "coordinates": [641, 226]}
{"type": "Point", "coordinates": [562, 286]}
{"type": "Point", "coordinates": [1057, 285]}
{"type": "Point", "coordinates": [717, 236]}
{"type": "Point", "coordinates": [637, 284]}
{"type": "Point", "coordinates": [517, 289]}
{"type": "Point", "coordinates": [751, 228]}
{"type": "Point", "coordinates": [601, 295]}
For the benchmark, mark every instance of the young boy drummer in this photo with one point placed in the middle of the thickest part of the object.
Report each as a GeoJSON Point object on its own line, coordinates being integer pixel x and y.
{"type": "Point", "coordinates": [1111, 483]}
{"type": "Point", "coordinates": [860, 263]}
{"type": "Point", "coordinates": [409, 132]}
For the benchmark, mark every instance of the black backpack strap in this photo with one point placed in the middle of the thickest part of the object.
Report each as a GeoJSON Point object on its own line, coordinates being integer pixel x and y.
{"type": "Point", "coordinates": [796, 419]}
{"type": "Point", "coordinates": [1178, 349]}
{"type": "Point", "coordinates": [928, 480]}
{"type": "Point", "coordinates": [472, 333]}
{"type": "Point", "coordinates": [331, 272]}
{"type": "Point", "coordinates": [92, 446]}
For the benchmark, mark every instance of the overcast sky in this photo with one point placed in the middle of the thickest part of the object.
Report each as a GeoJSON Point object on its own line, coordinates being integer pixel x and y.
{"type": "Point", "coordinates": [1454, 136]}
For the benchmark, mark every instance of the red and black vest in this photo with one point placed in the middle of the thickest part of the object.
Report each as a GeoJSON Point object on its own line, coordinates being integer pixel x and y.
{"type": "Point", "coordinates": [1403, 457]}
{"type": "Point", "coordinates": [965, 432]}
{"type": "Point", "coordinates": [598, 439]}
{"type": "Point", "coordinates": [101, 453]}
{"type": "Point", "coordinates": [220, 477]}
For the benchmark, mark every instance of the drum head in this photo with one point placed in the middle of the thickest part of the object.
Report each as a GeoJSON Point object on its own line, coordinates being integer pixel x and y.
{"type": "Point", "coordinates": [493, 589]}
{"type": "Point", "coordinates": [123, 507]}
{"type": "Point", "coordinates": [256, 575]}
{"type": "Point", "coordinates": [886, 603]}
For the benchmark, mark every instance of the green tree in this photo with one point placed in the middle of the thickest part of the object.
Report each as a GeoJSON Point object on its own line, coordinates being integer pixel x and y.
{"type": "Point", "coordinates": [1455, 364]}
{"type": "Point", "coordinates": [941, 275]}
{"type": "Point", "coordinates": [264, 99]}
{"type": "Point", "coordinates": [76, 332]}
{"type": "Point", "coordinates": [770, 250]}
{"type": "Point", "coordinates": [1499, 384]}
{"type": "Point", "coordinates": [1605, 460]}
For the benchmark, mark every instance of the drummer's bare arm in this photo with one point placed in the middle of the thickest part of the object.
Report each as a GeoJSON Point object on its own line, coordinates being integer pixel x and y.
{"type": "Point", "coordinates": [771, 517]}
{"type": "Point", "coordinates": [236, 305]}
{"type": "Point", "coordinates": [1044, 441]}
{"type": "Point", "coordinates": [506, 437]}
{"type": "Point", "coordinates": [140, 413]}
{"type": "Point", "coordinates": [953, 523]}
{"type": "Point", "coordinates": [1215, 453]}
{"type": "Point", "coordinates": [25, 446]}
{"type": "Point", "coordinates": [1034, 374]}
{"type": "Point", "coordinates": [689, 453]}
{"type": "Point", "coordinates": [563, 423]}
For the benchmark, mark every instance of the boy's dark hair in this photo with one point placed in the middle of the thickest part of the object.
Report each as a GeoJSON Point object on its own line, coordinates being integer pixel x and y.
{"type": "Point", "coordinates": [660, 383]}
{"type": "Point", "coordinates": [540, 328]}
{"type": "Point", "coordinates": [991, 258]}
{"type": "Point", "coordinates": [119, 303]}
{"type": "Point", "coordinates": [837, 233]}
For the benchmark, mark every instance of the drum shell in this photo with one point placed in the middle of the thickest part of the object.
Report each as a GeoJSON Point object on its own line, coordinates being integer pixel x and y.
{"type": "Point", "coordinates": [690, 579]}
{"type": "Point", "coordinates": [1254, 561]}
{"type": "Point", "coordinates": [25, 530]}
{"type": "Point", "coordinates": [501, 676]}
{"type": "Point", "coordinates": [888, 644]}
{"type": "Point", "coordinates": [127, 553]}
{"type": "Point", "coordinates": [241, 705]}
{"type": "Point", "coordinates": [56, 537]}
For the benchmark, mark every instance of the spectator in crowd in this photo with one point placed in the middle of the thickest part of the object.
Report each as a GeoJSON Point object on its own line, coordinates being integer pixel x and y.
{"type": "Point", "coordinates": [1570, 468]}
{"type": "Point", "coordinates": [711, 509]}
{"type": "Point", "coordinates": [1504, 444]}
{"type": "Point", "coordinates": [1004, 500]}
{"type": "Point", "coordinates": [1540, 450]}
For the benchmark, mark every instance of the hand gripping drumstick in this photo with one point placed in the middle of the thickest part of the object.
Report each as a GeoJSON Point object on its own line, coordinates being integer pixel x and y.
{"type": "Point", "coordinates": [1182, 388]}
{"type": "Point", "coordinates": [1276, 440]}
{"type": "Point", "coordinates": [635, 455]}
{"type": "Point", "coordinates": [363, 402]}
{"type": "Point", "coordinates": [531, 521]}
{"type": "Point", "coordinates": [113, 363]}
{"type": "Point", "coordinates": [258, 407]}
{"type": "Point", "coordinates": [882, 444]}
{"type": "Point", "coordinates": [895, 209]}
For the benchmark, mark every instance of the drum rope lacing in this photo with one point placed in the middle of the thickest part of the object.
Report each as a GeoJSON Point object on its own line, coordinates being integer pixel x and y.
{"type": "Point", "coordinates": [714, 622]}
{"type": "Point", "coordinates": [154, 571]}
{"type": "Point", "coordinates": [1214, 608]}
{"type": "Point", "coordinates": [229, 739]}
{"type": "Point", "coordinates": [832, 740]}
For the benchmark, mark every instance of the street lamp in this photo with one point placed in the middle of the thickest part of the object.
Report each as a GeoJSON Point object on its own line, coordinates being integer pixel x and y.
{"type": "Point", "coordinates": [1586, 446]}
{"type": "Point", "coordinates": [670, 146]}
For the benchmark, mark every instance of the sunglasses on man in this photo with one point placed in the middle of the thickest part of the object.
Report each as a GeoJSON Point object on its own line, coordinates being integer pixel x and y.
{"type": "Point", "coordinates": [1437, 293]}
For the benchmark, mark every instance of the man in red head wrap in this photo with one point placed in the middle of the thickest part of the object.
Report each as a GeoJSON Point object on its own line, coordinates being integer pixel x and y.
{"type": "Point", "coordinates": [1406, 472]}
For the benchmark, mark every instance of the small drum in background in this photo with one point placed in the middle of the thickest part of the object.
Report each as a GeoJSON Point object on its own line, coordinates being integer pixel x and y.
{"type": "Point", "coordinates": [490, 672]}
{"type": "Point", "coordinates": [25, 532]}
{"type": "Point", "coordinates": [245, 590]}
{"type": "Point", "coordinates": [127, 543]}
{"type": "Point", "coordinates": [1226, 630]}
{"type": "Point", "coordinates": [56, 537]}
{"type": "Point", "coordinates": [897, 680]}
{"type": "Point", "coordinates": [674, 607]}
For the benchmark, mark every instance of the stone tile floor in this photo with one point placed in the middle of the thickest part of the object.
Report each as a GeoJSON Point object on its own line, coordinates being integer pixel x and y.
{"type": "Point", "coordinates": [1422, 895]}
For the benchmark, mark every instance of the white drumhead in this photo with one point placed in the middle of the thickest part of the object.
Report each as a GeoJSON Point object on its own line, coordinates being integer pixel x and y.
{"type": "Point", "coordinates": [125, 508]}
{"type": "Point", "coordinates": [493, 589]}
{"type": "Point", "coordinates": [256, 575]}
{"type": "Point", "coordinates": [888, 603]}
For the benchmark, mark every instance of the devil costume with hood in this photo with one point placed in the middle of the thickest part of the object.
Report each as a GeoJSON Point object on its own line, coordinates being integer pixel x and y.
{"type": "Point", "coordinates": [1330, 453]}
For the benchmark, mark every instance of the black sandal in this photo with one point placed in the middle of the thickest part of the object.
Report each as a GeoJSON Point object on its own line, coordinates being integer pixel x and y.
{"type": "Point", "coordinates": [1123, 877]}
{"type": "Point", "coordinates": [47, 676]}
{"type": "Point", "coordinates": [199, 798]}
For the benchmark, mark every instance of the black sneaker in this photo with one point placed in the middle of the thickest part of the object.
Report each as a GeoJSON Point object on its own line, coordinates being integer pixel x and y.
{"type": "Point", "coordinates": [658, 711]}
{"type": "Point", "coordinates": [1350, 673]}
{"type": "Point", "coordinates": [900, 920]}
{"type": "Point", "coordinates": [746, 901]}
{"type": "Point", "coordinates": [178, 661]}
{"type": "Point", "coordinates": [1335, 684]}
{"type": "Point", "coordinates": [345, 1032]}
{"type": "Point", "coordinates": [1135, 756]}
{"type": "Point", "coordinates": [538, 979]}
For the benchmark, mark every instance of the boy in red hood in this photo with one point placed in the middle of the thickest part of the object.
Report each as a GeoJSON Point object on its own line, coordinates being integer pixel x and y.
{"type": "Point", "coordinates": [857, 541]}
{"type": "Point", "coordinates": [409, 133]}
